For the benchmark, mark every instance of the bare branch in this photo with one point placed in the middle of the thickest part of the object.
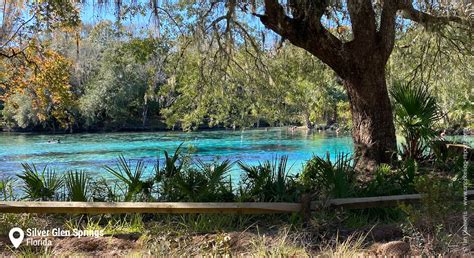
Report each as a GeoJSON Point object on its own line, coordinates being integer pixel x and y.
{"type": "Point", "coordinates": [17, 31]}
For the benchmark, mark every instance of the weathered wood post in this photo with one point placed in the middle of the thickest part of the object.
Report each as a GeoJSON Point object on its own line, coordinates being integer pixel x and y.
{"type": "Point", "coordinates": [306, 208]}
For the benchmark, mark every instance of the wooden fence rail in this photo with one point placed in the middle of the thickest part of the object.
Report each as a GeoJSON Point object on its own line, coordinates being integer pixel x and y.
{"type": "Point", "coordinates": [379, 201]}
{"type": "Point", "coordinates": [147, 207]}
{"type": "Point", "coordinates": [204, 207]}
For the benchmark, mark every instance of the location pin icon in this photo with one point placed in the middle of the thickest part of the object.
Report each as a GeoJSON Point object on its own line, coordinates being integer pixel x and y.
{"type": "Point", "coordinates": [16, 241]}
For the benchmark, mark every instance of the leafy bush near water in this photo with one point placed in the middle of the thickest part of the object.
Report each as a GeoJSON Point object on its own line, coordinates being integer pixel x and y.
{"type": "Point", "coordinates": [40, 185]}
{"type": "Point", "coordinates": [416, 112]}
{"type": "Point", "coordinates": [336, 179]}
{"type": "Point", "coordinates": [269, 181]}
{"type": "Point", "coordinates": [182, 178]}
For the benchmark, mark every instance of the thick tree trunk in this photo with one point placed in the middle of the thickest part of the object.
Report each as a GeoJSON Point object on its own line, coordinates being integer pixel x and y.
{"type": "Point", "coordinates": [360, 62]}
{"type": "Point", "coordinates": [373, 131]}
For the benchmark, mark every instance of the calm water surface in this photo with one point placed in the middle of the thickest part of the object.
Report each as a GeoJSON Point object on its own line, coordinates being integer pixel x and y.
{"type": "Point", "coordinates": [92, 151]}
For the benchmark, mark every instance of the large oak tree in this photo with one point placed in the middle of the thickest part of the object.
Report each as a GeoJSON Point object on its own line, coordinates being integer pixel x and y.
{"type": "Point", "coordinates": [360, 62]}
{"type": "Point", "coordinates": [359, 59]}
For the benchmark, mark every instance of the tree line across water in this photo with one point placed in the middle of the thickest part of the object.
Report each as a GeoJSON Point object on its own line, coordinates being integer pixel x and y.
{"type": "Point", "coordinates": [108, 78]}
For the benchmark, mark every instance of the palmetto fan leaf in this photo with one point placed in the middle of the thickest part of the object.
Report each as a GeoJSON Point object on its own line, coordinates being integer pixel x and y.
{"type": "Point", "coordinates": [170, 168]}
{"type": "Point", "coordinates": [207, 182]}
{"type": "Point", "coordinates": [215, 172]}
{"type": "Point", "coordinates": [40, 185]}
{"type": "Point", "coordinates": [77, 183]}
{"type": "Point", "coordinates": [335, 177]}
{"type": "Point", "coordinates": [130, 177]}
{"type": "Point", "coordinates": [416, 112]}
{"type": "Point", "coordinates": [416, 108]}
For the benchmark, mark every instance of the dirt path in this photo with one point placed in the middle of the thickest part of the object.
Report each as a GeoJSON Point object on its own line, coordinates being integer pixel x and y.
{"type": "Point", "coordinates": [89, 246]}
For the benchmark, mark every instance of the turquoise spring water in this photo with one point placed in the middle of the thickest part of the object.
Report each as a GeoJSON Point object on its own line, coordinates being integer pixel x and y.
{"type": "Point", "coordinates": [92, 151]}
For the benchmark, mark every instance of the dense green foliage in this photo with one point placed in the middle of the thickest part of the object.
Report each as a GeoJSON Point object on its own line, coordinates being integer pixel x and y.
{"type": "Point", "coordinates": [117, 80]}
{"type": "Point", "coordinates": [268, 181]}
{"type": "Point", "coordinates": [131, 178]}
{"type": "Point", "coordinates": [442, 64]}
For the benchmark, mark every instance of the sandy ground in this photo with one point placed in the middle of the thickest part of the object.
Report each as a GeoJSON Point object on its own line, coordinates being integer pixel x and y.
{"type": "Point", "coordinates": [382, 240]}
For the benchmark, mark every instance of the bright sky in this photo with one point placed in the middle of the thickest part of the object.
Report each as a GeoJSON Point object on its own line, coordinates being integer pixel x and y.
{"type": "Point", "coordinates": [92, 13]}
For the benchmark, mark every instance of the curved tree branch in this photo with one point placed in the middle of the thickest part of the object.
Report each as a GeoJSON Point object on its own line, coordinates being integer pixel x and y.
{"type": "Point", "coordinates": [306, 31]}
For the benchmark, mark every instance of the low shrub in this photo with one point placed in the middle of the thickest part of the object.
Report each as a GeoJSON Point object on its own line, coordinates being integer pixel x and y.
{"type": "Point", "coordinates": [77, 185]}
{"type": "Point", "coordinates": [137, 189]}
{"type": "Point", "coordinates": [40, 185]}
{"type": "Point", "coordinates": [206, 183]}
{"type": "Point", "coordinates": [103, 190]}
{"type": "Point", "coordinates": [335, 179]}
{"type": "Point", "coordinates": [416, 112]}
{"type": "Point", "coordinates": [6, 189]}
{"type": "Point", "coordinates": [268, 181]}
{"type": "Point", "coordinates": [432, 226]}
{"type": "Point", "coordinates": [385, 182]}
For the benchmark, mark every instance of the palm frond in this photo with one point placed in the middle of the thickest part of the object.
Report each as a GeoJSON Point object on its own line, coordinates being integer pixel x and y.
{"type": "Point", "coordinates": [336, 178]}
{"type": "Point", "coordinates": [40, 185]}
{"type": "Point", "coordinates": [132, 178]}
{"type": "Point", "coordinates": [416, 112]}
{"type": "Point", "coordinates": [77, 184]}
